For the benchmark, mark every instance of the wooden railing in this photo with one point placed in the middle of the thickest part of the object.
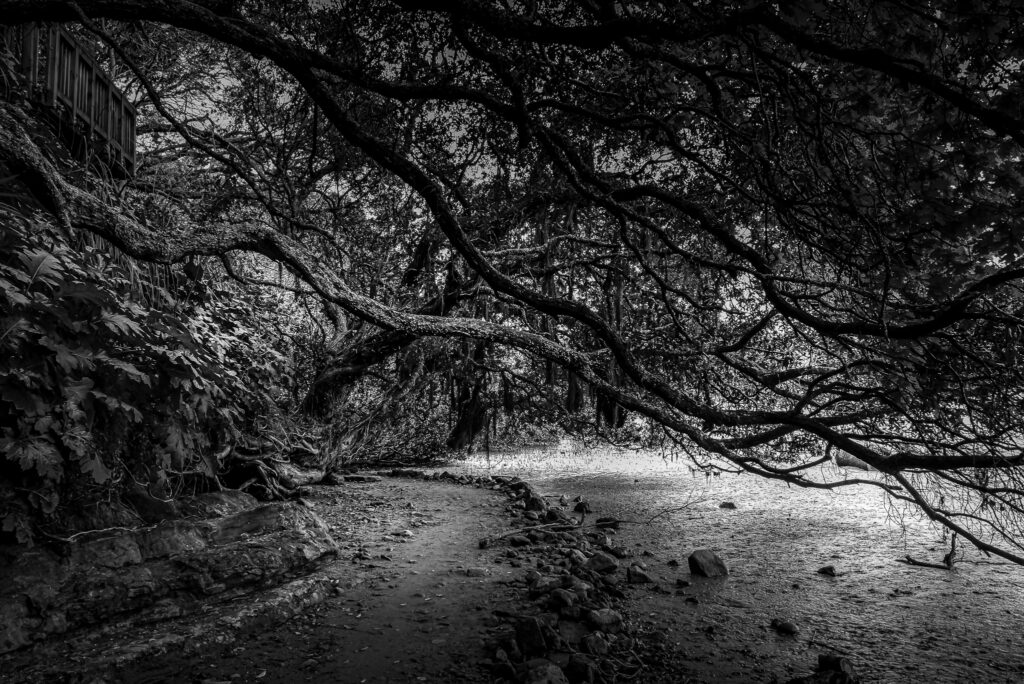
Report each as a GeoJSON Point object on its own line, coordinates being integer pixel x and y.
{"type": "Point", "coordinates": [62, 75]}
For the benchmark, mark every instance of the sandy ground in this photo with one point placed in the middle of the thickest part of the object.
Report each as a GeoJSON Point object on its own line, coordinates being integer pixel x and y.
{"type": "Point", "coordinates": [414, 597]}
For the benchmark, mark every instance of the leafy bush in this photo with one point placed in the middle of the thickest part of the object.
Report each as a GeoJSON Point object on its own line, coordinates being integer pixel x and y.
{"type": "Point", "coordinates": [105, 376]}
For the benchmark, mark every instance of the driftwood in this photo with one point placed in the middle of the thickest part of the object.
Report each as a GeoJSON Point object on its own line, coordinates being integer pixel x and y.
{"type": "Point", "coordinates": [947, 561]}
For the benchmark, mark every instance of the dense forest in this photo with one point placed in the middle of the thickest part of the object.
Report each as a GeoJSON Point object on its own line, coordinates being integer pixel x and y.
{"type": "Point", "coordinates": [772, 233]}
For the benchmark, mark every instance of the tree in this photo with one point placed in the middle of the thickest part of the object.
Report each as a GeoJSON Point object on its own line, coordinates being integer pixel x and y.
{"type": "Point", "coordinates": [773, 233]}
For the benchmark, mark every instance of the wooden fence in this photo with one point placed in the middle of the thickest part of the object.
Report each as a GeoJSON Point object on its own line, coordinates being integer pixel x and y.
{"type": "Point", "coordinates": [61, 74]}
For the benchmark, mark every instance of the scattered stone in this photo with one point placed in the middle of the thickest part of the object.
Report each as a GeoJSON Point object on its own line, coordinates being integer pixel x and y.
{"type": "Point", "coordinates": [828, 570]}
{"type": "Point", "coordinates": [605, 619]}
{"type": "Point", "coordinates": [832, 669]}
{"type": "Point", "coordinates": [361, 478]}
{"type": "Point", "coordinates": [530, 636]}
{"type": "Point", "coordinates": [602, 563]}
{"type": "Point", "coordinates": [582, 669]}
{"type": "Point", "coordinates": [562, 598]}
{"type": "Point", "coordinates": [706, 563]}
{"type": "Point", "coordinates": [785, 627]}
{"type": "Point", "coordinates": [727, 505]}
{"type": "Point", "coordinates": [619, 552]}
{"type": "Point", "coordinates": [543, 671]}
{"type": "Point", "coordinates": [572, 631]}
{"type": "Point", "coordinates": [594, 644]}
{"type": "Point", "coordinates": [637, 575]}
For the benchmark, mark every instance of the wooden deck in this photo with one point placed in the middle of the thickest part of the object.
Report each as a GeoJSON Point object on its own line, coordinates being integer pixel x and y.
{"type": "Point", "coordinates": [61, 74]}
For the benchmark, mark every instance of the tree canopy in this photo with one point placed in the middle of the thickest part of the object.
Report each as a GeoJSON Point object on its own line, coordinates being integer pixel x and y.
{"type": "Point", "coordinates": [772, 232]}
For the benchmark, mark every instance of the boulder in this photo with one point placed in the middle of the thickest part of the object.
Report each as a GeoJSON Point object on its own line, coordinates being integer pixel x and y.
{"type": "Point", "coordinates": [637, 575]}
{"type": "Point", "coordinates": [706, 563]}
{"type": "Point", "coordinates": [602, 563]}
{"type": "Point", "coordinates": [828, 570]}
{"type": "Point", "coordinates": [543, 671]}
{"type": "Point", "coordinates": [727, 505]}
{"type": "Point", "coordinates": [785, 627]}
{"type": "Point", "coordinates": [605, 619]}
{"type": "Point", "coordinates": [582, 670]}
{"type": "Point", "coordinates": [530, 636]}
{"type": "Point", "coordinates": [595, 644]}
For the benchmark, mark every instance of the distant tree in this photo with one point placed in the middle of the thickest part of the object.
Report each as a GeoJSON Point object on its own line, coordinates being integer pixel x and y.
{"type": "Point", "coordinates": [775, 231]}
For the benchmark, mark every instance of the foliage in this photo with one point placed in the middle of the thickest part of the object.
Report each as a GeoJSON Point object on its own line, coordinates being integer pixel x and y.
{"type": "Point", "coordinates": [770, 231]}
{"type": "Point", "coordinates": [98, 385]}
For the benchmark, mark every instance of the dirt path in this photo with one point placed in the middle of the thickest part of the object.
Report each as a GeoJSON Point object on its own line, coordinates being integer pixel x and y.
{"type": "Point", "coordinates": [413, 602]}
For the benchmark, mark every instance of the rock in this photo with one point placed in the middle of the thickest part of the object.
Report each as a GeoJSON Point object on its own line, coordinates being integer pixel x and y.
{"type": "Point", "coordinates": [364, 478]}
{"type": "Point", "coordinates": [619, 552]}
{"type": "Point", "coordinates": [829, 662]}
{"type": "Point", "coordinates": [595, 644]}
{"type": "Point", "coordinates": [828, 570]}
{"type": "Point", "coordinates": [706, 563]}
{"type": "Point", "coordinates": [535, 502]}
{"type": "Point", "coordinates": [602, 563]}
{"type": "Point", "coordinates": [531, 515]}
{"type": "Point", "coordinates": [577, 557]}
{"type": "Point", "coordinates": [682, 583]}
{"type": "Point", "coordinates": [562, 598]}
{"type": "Point", "coordinates": [605, 619]}
{"type": "Point", "coordinates": [556, 515]}
{"type": "Point", "coordinates": [292, 476]}
{"type": "Point", "coordinates": [785, 627]}
{"type": "Point", "coordinates": [530, 636]}
{"type": "Point", "coordinates": [572, 632]}
{"type": "Point", "coordinates": [476, 572]}
{"type": "Point", "coordinates": [519, 540]}
{"type": "Point", "coordinates": [544, 585]}
{"type": "Point", "coordinates": [832, 669]}
{"type": "Point", "coordinates": [543, 671]}
{"type": "Point", "coordinates": [607, 523]}
{"type": "Point", "coordinates": [637, 575]}
{"type": "Point", "coordinates": [727, 505]}
{"type": "Point", "coordinates": [582, 669]}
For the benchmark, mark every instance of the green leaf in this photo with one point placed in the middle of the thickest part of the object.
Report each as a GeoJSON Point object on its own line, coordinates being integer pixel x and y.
{"type": "Point", "coordinates": [120, 323]}
{"type": "Point", "coordinates": [39, 454]}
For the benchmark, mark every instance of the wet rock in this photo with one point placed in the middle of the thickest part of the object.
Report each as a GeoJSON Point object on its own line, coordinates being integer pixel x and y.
{"type": "Point", "coordinates": [785, 627]}
{"type": "Point", "coordinates": [595, 644]}
{"type": "Point", "coordinates": [582, 669]}
{"type": "Point", "coordinates": [572, 631]}
{"type": "Point", "coordinates": [832, 669]}
{"type": "Point", "coordinates": [727, 505]}
{"type": "Point", "coordinates": [556, 515]}
{"type": "Point", "coordinates": [637, 575]}
{"type": "Point", "coordinates": [530, 636]}
{"type": "Point", "coordinates": [706, 563]}
{"type": "Point", "coordinates": [364, 478]}
{"type": "Point", "coordinates": [605, 619]}
{"type": "Point", "coordinates": [828, 570]}
{"type": "Point", "coordinates": [602, 563]}
{"type": "Point", "coordinates": [562, 598]}
{"type": "Point", "coordinates": [543, 671]}
{"type": "Point", "coordinates": [544, 585]}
